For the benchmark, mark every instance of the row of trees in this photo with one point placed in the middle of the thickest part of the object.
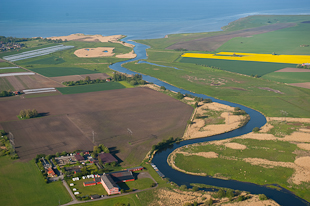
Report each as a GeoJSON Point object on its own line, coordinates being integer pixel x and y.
{"type": "Point", "coordinates": [135, 80]}
{"type": "Point", "coordinates": [165, 143]}
{"type": "Point", "coordinates": [303, 66]}
{"type": "Point", "coordinates": [6, 93]}
{"type": "Point", "coordinates": [87, 80]}
{"type": "Point", "coordinates": [28, 113]}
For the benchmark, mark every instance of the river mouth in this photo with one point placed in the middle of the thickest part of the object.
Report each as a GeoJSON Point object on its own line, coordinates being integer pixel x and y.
{"type": "Point", "coordinates": [282, 197]}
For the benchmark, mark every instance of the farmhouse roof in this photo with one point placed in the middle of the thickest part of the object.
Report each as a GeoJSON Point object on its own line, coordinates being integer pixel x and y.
{"type": "Point", "coordinates": [135, 168]}
{"type": "Point", "coordinates": [106, 158]}
{"type": "Point", "coordinates": [122, 176]}
{"type": "Point", "coordinates": [78, 157]}
{"type": "Point", "coordinates": [90, 182]}
{"type": "Point", "coordinates": [107, 179]}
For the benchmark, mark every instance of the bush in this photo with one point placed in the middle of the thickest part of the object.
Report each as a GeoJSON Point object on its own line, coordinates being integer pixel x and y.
{"type": "Point", "coordinates": [262, 197]}
{"type": "Point", "coordinates": [221, 193]}
{"type": "Point", "coordinates": [163, 88]}
{"type": "Point", "coordinates": [153, 184]}
{"type": "Point", "coordinates": [241, 198]}
{"type": "Point", "coordinates": [207, 100]}
{"type": "Point", "coordinates": [195, 188]}
{"type": "Point", "coordinates": [255, 129]}
{"type": "Point", "coordinates": [209, 202]}
{"type": "Point", "coordinates": [179, 95]}
{"type": "Point", "coordinates": [183, 187]}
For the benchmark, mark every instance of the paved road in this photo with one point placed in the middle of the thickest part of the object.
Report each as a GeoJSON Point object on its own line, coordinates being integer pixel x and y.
{"type": "Point", "coordinates": [74, 200]}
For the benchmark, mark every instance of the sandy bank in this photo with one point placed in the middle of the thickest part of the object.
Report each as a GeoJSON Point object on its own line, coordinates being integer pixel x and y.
{"type": "Point", "coordinates": [95, 52]}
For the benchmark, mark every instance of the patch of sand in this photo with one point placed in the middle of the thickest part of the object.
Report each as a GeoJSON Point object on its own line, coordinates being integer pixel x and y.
{"type": "Point", "coordinates": [301, 167]}
{"type": "Point", "coordinates": [3, 147]}
{"type": "Point", "coordinates": [254, 201]}
{"type": "Point", "coordinates": [297, 137]}
{"type": "Point", "coordinates": [304, 130]}
{"type": "Point", "coordinates": [202, 154]}
{"type": "Point", "coordinates": [289, 119]}
{"type": "Point", "coordinates": [91, 38]}
{"type": "Point", "coordinates": [198, 129]}
{"type": "Point", "coordinates": [304, 146]}
{"type": "Point", "coordinates": [130, 55]}
{"type": "Point", "coordinates": [266, 127]}
{"type": "Point", "coordinates": [95, 52]}
{"type": "Point", "coordinates": [234, 145]}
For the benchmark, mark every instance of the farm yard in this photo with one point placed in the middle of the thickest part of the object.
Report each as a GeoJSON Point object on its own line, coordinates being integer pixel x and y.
{"type": "Point", "coordinates": [70, 119]}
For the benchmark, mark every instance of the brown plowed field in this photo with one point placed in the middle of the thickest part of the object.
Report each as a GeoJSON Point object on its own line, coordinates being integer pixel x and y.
{"type": "Point", "coordinates": [214, 42]}
{"type": "Point", "coordinates": [303, 85]}
{"type": "Point", "coordinates": [80, 77]}
{"type": "Point", "coordinates": [32, 82]}
{"type": "Point", "coordinates": [293, 70]}
{"type": "Point", "coordinates": [150, 115]}
{"type": "Point", "coordinates": [46, 136]}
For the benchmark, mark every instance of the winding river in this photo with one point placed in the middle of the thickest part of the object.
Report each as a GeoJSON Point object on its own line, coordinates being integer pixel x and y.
{"type": "Point", "coordinates": [282, 197]}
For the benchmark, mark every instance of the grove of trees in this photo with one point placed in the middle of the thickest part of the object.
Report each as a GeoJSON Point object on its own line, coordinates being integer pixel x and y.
{"type": "Point", "coordinates": [27, 113]}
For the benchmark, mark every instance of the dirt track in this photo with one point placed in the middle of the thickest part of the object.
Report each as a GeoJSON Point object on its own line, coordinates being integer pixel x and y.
{"type": "Point", "coordinates": [214, 42]}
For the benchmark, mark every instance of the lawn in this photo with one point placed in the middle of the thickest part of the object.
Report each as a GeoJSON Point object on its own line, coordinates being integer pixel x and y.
{"type": "Point", "coordinates": [90, 88]}
{"type": "Point", "coordinates": [6, 64]}
{"type": "Point", "coordinates": [288, 77]}
{"type": "Point", "coordinates": [241, 67]}
{"type": "Point", "coordinates": [138, 184]}
{"type": "Point", "coordinates": [5, 84]}
{"type": "Point", "coordinates": [131, 200]}
{"type": "Point", "coordinates": [2, 71]}
{"type": "Point", "coordinates": [61, 71]}
{"type": "Point", "coordinates": [89, 190]}
{"type": "Point", "coordinates": [23, 184]}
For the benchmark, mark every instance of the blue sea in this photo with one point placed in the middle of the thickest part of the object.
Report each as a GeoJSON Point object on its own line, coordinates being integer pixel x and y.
{"type": "Point", "coordinates": [137, 19]}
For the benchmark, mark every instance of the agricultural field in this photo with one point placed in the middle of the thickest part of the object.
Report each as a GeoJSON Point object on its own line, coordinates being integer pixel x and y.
{"type": "Point", "coordinates": [22, 184]}
{"type": "Point", "coordinates": [30, 82]}
{"type": "Point", "coordinates": [80, 77]}
{"type": "Point", "coordinates": [288, 77]}
{"type": "Point", "coordinates": [69, 122]}
{"type": "Point", "coordinates": [241, 67]}
{"type": "Point", "coordinates": [91, 88]}
{"type": "Point", "coordinates": [232, 87]}
{"type": "Point", "coordinates": [5, 84]}
{"type": "Point", "coordinates": [62, 71]}
{"type": "Point", "coordinates": [2, 71]}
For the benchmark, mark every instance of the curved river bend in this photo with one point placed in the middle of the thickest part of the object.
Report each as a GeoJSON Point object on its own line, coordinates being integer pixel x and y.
{"type": "Point", "coordinates": [283, 197]}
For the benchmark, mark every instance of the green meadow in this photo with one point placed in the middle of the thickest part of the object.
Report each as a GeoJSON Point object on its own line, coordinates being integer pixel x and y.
{"type": "Point", "coordinates": [22, 184]}
{"type": "Point", "coordinates": [232, 87]}
{"type": "Point", "coordinates": [90, 88]}
{"type": "Point", "coordinates": [288, 77]}
{"type": "Point", "coordinates": [62, 71]}
{"type": "Point", "coordinates": [2, 71]}
{"type": "Point", "coordinates": [241, 67]}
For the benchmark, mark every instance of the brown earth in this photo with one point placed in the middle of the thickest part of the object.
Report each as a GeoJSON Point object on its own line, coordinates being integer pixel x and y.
{"type": "Point", "coordinates": [214, 42]}
{"type": "Point", "coordinates": [46, 136]}
{"type": "Point", "coordinates": [80, 77]}
{"type": "Point", "coordinates": [150, 115]}
{"type": "Point", "coordinates": [32, 82]}
{"type": "Point", "coordinates": [95, 52]}
{"type": "Point", "coordinates": [303, 85]}
{"type": "Point", "coordinates": [293, 70]}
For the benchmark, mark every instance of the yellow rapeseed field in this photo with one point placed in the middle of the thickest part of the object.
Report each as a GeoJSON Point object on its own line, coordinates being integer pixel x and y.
{"type": "Point", "coordinates": [289, 59]}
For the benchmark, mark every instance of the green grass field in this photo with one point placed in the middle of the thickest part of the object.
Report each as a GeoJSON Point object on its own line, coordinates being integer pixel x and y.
{"type": "Point", "coordinates": [284, 41]}
{"type": "Point", "coordinates": [2, 71]}
{"type": "Point", "coordinates": [49, 59]}
{"type": "Point", "coordinates": [5, 84]}
{"type": "Point", "coordinates": [6, 64]}
{"type": "Point", "coordinates": [89, 190]}
{"type": "Point", "coordinates": [90, 88]}
{"type": "Point", "coordinates": [23, 184]}
{"type": "Point", "coordinates": [288, 77]}
{"type": "Point", "coordinates": [62, 71]}
{"type": "Point", "coordinates": [127, 200]}
{"type": "Point", "coordinates": [241, 67]}
{"type": "Point", "coordinates": [232, 87]}
{"type": "Point", "coordinates": [138, 184]}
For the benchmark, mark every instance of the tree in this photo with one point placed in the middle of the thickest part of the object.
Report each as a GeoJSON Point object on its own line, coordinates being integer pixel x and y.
{"type": "Point", "coordinates": [262, 197]}
{"type": "Point", "coordinates": [179, 95]}
{"type": "Point", "coordinates": [189, 122]}
{"type": "Point", "coordinates": [209, 202]}
{"type": "Point", "coordinates": [163, 88]}
{"type": "Point", "coordinates": [22, 114]}
{"type": "Point", "coordinates": [255, 129]}
{"type": "Point", "coordinates": [196, 104]}
{"type": "Point", "coordinates": [57, 154]}
{"type": "Point", "coordinates": [207, 100]}
{"type": "Point", "coordinates": [87, 78]}
{"type": "Point", "coordinates": [183, 187]}
{"type": "Point", "coordinates": [221, 193]}
{"type": "Point", "coordinates": [34, 113]}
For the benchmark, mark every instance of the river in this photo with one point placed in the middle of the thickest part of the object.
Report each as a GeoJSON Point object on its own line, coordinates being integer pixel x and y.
{"type": "Point", "coordinates": [282, 197]}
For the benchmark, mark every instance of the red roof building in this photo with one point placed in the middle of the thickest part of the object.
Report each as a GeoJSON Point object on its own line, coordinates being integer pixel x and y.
{"type": "Point", "coordinates": [50, 172]}
{"type": "Point", "coordinates": [109, 185]}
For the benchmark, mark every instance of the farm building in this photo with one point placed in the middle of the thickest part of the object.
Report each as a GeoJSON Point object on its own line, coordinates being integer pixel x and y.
{"type": "Point", "coordinates": [94, 197]}
{"type": "Point", "coordinates": [122, 176]}
{"type": "Point", "coordinates": [135, 169]}
{"type": "Point", "coordinates": [50, 172]}
{"type": "Point", "coordinates": [79, 158]}
{"type": "Point", "coordinates": [109, 185]}
{"type": "Point", "coordinates": [96, 181]}
{"type": "Point", "coordinates": [107, 158]}
{"type": "Point", "coordinates": [75, 169]}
